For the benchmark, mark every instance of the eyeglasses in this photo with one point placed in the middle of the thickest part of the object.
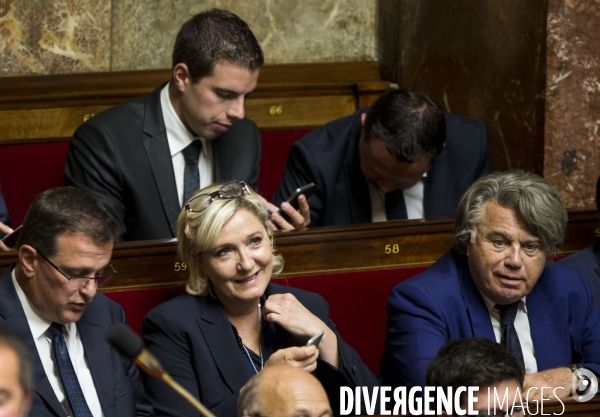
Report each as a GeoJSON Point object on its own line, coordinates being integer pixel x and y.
{"type": "Point", "coordinates": [107, 274]}
{"type": "Point", "coordinates": [232, 189]}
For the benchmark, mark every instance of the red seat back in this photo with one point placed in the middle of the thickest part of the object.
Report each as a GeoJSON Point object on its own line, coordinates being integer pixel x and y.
{"type": "Point", "coordinates": [275, 150]}
{"type": "Point", "coordinates": [27, 170]}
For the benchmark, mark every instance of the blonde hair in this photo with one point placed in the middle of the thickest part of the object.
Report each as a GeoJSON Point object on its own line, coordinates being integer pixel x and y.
{"type": "Point", "coordinates": [199, 232]}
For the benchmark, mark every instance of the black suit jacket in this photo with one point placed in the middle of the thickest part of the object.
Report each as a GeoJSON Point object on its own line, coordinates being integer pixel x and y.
{"type": "Point", "coordinates": [116, 379]}
{"type": "Point", "coordinates": [588, 260]}
{"type": "Point", "coordinates": [122, 157]}
{"type": "Point", "coordinates": [193, 339]}
{"type": "Point", "coordinates": [328, 156]}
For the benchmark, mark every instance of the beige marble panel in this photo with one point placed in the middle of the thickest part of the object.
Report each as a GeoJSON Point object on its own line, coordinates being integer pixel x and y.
{"type": "Point", "coordinates": [289, 31]}
{"type": "Point", "coordinates": [572, 157]}
{"type": "Point", "coordinates": [50, 37]}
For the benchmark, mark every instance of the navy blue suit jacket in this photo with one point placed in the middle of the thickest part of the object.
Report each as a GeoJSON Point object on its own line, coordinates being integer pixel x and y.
{"type": "Point", "coordinates": [588, 260]}
{"type": "Point", "coordinates": [193, 339]}
{"type": "Point", "coordinates": [122, 157]}
{"type": "Point", "coordinates": [116, 379]}
{"type": "Point", "coordinates": [443, 304]}
{"type": "Point", "coordinates": [328, 156]}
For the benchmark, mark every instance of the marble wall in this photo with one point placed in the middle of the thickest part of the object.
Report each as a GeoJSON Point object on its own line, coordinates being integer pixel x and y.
{"type": "Point", "coordinates": [59, 36]}
{"type": "Point", "coordinates": [65, 36]}
{"type": "Point", "coordinates": [572, 136]}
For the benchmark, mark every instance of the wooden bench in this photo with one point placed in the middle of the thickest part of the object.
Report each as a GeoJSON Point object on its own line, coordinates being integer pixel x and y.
{"type": "Point", "coordinates": [353, 267]}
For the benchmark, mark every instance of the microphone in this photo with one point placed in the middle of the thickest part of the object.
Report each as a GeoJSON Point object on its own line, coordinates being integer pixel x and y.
{"type": "Point", "coordinates": [130, 345]}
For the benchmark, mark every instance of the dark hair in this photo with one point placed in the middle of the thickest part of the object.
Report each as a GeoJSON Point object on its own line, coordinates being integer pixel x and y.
{"type": "Point", "coordinates": [8, 339]}
{"type": "Point", "coordinates": [475, 362]}
{"type": "Point", "coordinates": [213, 35]}
{"type": "Point", "coordinates": [65, 209]}
{"type": "Point", "coordinates": [411, 125]}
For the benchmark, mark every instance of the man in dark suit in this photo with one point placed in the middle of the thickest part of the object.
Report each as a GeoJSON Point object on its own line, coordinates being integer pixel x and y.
{"type": "Point", "coordinates": [588, 259]}
{"type": "Point", "coordinates": [402, 158]}
{"type": "Point", "coordinates": [495, 284]}
{"type": "Point", "coordinates": [143, 159]}
{"type": "Point", "coordinates": [49, 300]}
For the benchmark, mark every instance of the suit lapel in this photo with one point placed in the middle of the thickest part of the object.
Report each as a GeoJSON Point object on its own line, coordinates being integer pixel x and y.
{"type": "Point", "coordinates": [222, 158]}
{"type": "Point", "coordinates": [222, 344]}
{"type": "Point", "coordinates": [98, 356]}
{"type": "Point", "coordinates": [14, 318]}
{"type": "Point", "coordinates": [479, 316]}
{"type": "Point", "coordinates": [435, 193]}
{"type": "Point", "coordinates": [549, 328]}
{"type": "Point", "coordinates": [159, 156]}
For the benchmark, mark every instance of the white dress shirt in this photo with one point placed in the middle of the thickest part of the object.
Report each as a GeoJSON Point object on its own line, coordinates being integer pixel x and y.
{"type": "Point", "coordinates": [522, 328]}
{"type": "Point", "coordinates": [43, 343]}
{"type": "Point", "coordinates": [413, 198]}
{"type": "Point", "coordinates": [179, 138]}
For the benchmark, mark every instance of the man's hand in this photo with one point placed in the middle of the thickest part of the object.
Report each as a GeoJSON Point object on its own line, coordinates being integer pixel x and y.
{"type": "Point", "coordinates": [300, 218]}
{"type": "Point", "coordinates": [304, 357]}
{"type": "Point", "coordinates": [5, 229]}
{"type": "Point", "coordinates": [557, 379]}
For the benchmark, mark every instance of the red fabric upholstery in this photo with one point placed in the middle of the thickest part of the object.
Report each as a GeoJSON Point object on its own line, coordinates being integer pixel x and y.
{"type": "Point", "coordinates": [27, 170]}
{"type": "Point", "coordinates": [275, 150]}
{"type": "Point", "coordinates": [137, 303]}
{"type": "Point", "coordinates": [357, 303]}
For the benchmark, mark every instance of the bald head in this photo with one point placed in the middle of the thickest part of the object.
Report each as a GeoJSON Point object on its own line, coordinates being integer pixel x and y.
{"type": "Point", "coordinates": [283, 391]}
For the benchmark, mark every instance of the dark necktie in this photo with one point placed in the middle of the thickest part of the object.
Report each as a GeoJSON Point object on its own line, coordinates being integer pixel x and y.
{"type": "Point", "coordinates": [395, 207]}
{"type": "Point", "coordinates": [510, 339]}
{"type": "Point", "coordinates": [66, 372]}
{"type": "Point", "coordinates": [191, 176]}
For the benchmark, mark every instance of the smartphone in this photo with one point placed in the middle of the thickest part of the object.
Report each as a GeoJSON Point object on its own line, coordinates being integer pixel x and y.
{"type": "Point", "coordinates": [308, 190]}
{"type": "Point", "coordinates": [10, 239]}
{"type": "Point", "coordinates": [316, 339]}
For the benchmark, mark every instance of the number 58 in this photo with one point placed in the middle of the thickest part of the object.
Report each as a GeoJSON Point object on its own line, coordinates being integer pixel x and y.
{"type": "Point", "coordinates": [392, 249]}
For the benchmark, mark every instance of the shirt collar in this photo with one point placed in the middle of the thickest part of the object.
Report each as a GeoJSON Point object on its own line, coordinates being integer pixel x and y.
{"type": "Point", "coordinates": [491, 304]}
{"type": "Point", "coordinates": [178, 136]}
{"type": "Point", "coordinates": [37, 324]}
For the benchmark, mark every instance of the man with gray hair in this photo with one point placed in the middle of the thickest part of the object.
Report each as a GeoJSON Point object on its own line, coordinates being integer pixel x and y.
{"type": "Point", "coordinates": [495, 283]}
{"type": "Point", "coordinates": [283, 391]}
{"type": "Point", "coordinates": [16, 376]}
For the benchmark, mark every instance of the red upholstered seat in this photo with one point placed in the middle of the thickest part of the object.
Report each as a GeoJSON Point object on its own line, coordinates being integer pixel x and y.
{"type": "Point", "coordinates": [27, 170]}
{"type": "Point", "coordinates": [357, 303]}
{"type": "Point", "coordinates": [275, 150]}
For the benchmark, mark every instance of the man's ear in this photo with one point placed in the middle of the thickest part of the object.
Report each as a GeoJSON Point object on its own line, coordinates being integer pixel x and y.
{"type": "Point", "coordinates": [27, 257]}
{"type": "Point", "coordinates": [181, 77]}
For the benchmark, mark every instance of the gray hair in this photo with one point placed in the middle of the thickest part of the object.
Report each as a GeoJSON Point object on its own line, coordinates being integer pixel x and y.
{"type": "Point", "coordinates": [199, 232]}
{"type": "Point", "coordinates": [530, 196]}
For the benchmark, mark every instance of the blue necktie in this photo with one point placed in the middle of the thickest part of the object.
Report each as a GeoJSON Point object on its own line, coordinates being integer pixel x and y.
{"type": "Point", "coordinates": [191, 176]}
{"type": "Point", "coordinates": [66, 372]}
{"type": "Point", "coordinates": [510, 339]}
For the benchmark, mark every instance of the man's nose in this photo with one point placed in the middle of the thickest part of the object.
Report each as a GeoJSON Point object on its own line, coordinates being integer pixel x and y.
{"type": "Point", "coordinates": [236, 109]}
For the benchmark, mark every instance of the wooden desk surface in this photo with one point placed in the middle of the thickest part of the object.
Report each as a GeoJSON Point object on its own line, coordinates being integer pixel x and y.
{"type": "Point", "coordinates": [372, 246]}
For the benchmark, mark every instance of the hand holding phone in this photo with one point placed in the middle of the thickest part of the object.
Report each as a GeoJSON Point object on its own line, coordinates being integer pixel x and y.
{"type": "Point", "coordinates": [10, 239]}
{"type": "Point", "coordinates": [307, 190]}
{"type": "Point", "coordinates": [316, 339]}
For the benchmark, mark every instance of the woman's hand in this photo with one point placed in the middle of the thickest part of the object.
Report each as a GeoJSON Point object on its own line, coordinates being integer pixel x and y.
{"type": "Point", "coordinates": [304, 357]}
{"type": "Point", "coordinates": [286, 311]}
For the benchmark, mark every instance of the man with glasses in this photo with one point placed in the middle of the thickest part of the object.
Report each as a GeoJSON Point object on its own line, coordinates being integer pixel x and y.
{"type": "Point", "coordinates": [49, 300]}
{"type": "Point", "coordinates": [479, 362]}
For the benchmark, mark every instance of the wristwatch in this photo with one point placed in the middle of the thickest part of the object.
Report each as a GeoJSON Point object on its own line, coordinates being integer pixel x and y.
{"type": "Point", "coordinates": [583, 382]}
